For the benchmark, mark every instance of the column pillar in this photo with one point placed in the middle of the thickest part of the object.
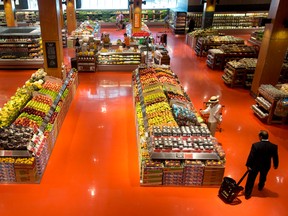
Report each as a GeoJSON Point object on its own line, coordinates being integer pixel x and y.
{"type": "Point", "coordinates": [61, 14]}
{"type": "Point", "coordinates": [71, 16]}
{"type": "Point", "coordinates": [208, 13]}
{"type": "Point", "coordinates": [51, 37]}
{"type": "Point", "coordinates": [273, 47]}
{"type": "Point", "coordinates": [9, 8]}
{"type": "Point", "coordinates": [137, 16]}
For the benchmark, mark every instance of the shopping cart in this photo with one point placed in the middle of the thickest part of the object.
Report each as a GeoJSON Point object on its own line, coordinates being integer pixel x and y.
{"type": "Point", "coordinates": [161, 38]}
{"type": "Point", "coordinates": [206, 116]}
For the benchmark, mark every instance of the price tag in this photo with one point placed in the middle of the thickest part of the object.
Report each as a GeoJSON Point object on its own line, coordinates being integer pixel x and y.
{"type": "Point", "coordinates": [8, 153]}
{"type": "Point", "coordinates": [179, 155]}
{"type": "Point", "coordinates": [188, 156]}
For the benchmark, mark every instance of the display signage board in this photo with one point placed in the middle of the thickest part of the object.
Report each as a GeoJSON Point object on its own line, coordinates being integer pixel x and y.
{"type": "Point", "coordinates": [51, 54]}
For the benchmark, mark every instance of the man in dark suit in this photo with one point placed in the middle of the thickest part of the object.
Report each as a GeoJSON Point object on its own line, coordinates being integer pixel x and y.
{"type": "Point", "coordinates": [259, 160]}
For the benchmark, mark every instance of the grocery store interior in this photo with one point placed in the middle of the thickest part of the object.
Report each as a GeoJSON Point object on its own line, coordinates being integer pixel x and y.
{"type": "Point", "coordinates": [95, 164]}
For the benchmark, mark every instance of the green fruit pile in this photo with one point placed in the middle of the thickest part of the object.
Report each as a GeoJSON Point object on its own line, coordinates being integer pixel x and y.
{"type": "Point", "coordinates": [11, 109]}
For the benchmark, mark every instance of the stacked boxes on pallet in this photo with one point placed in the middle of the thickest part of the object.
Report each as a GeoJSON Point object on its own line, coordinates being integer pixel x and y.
{"type": "Point", "coordinates": [7, 173]}
{"type": "Point", "coordinates": [213, 173]}
{"type": "Point", "coordinates": [152, 173]}
{"type": "Point", "coordinates": [193, 173]}
{"type": "Point", "coordinates": [25, 170]}
{"type": "Point", "coordinates": [172, 173]}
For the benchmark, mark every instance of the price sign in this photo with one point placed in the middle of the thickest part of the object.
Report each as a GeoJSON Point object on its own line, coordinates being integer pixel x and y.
{"type": "Point", "coordinates": [188, 156]}
{"type": "Point", "coordinates": [51, 55]}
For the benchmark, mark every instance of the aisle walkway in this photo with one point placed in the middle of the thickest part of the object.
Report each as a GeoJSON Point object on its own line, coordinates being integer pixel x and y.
{"type": "Point", "coordinates": [93, 169]}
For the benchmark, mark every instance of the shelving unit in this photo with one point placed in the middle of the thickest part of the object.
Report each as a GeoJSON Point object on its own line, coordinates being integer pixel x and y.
{"type": "Point", "coordinates": [217, 58]}
{"type": "Point", "coordinates": [214, 42]}
{"type": "Point", "coordinates": [239, 73]}
{"type": "Point", "coordinates": [234, 76]}
{"type": "Point", "coordinates": [178, 23]}
{"type": "Point", "coordinates": [64, 37]}
{"type": "Point", "coordinates": [118, 61]}
{"type": "Point", "coordinates": [235, 21]}
{"type": "Point", "coordinates": [86, 63]}
{"type": "Point", "coordinates": [20, 47]}
{"type": "Point", "coordinates": [256, 37]}
{"type": "Point", "coordinates": [266, 102]}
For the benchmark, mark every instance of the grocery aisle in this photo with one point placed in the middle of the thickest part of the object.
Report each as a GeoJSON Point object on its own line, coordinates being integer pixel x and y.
{"type": "Point", "coordinates": [93, 169]}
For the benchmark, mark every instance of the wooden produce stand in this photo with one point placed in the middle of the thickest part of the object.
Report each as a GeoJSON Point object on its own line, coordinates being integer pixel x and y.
{"type": "Point", "coordinates": [28, 165]}
{"type": "Point", "coordinates": [86, 63]}
{"type": "Point", "coordinates": [214, 42]}
{"type": "Point", "coordinates": [266, 104]}
{"type": "Point", "coordinates": [217, 58]}
{"type": "Point", "coordinates": [161, 57]}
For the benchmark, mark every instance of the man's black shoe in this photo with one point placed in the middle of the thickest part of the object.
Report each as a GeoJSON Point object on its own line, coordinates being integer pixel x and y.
{"type": "Point", "coordinates": [247, 196]}
{"type": "Point", "coordinates": [260, 188]}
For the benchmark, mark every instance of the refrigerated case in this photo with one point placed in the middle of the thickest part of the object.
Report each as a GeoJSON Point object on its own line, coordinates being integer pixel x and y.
{"type": "Point", "coordinates": [119, 61]}
{"type": "Point", "coordinates": [21, 47]}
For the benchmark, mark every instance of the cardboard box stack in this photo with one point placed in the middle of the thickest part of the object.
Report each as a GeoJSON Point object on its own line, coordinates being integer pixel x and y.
{"type": "Point", "coordinates": [172, 173]}
{"type": "Point", "coordinates": [7, 173]}
{"type": "Point", "coordinates": [152, 173]}
{"type": "Point", "coordinates": [213, 173]}
{"type": "Point", "coordinates": [193, 173]}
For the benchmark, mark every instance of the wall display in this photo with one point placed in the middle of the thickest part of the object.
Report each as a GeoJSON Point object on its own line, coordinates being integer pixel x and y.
{"type": "Point", "coordinates": [231, 20]}
{"type": "Point", "coordinates": [175, 146]}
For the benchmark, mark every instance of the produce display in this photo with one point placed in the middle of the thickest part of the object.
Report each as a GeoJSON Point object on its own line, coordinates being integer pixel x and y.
{"type": "Point", "coordinates": [15, 137]}
{"type": "Point", "coordinates": [271, 92]}
{"type": "Point", "coordinates": [11, 109]}
{"type": "Point", "coordinates": [203, 32]}
{"type": "Point", "coordinates": [184, 116]}
{"type": "Point", "coordinates": [26, 143]}
{"type": "Point", "coordinates": [221, 39]}
{"type": "Point", "coordinates": [171, 134]}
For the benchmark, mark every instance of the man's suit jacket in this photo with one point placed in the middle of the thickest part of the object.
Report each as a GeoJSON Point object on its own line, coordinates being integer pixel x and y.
{"type": "Point", "coordinates": [261, 154]}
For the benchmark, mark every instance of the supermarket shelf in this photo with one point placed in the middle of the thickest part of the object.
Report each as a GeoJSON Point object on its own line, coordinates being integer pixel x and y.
{"type": "Point", "coordinates": [21, 63]}
{"type": "Point", "coordinates": [116, 67]}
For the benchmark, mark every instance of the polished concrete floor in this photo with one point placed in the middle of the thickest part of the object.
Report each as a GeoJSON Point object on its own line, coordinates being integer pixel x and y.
{"type": "Point", "coordinates": [93, 169]}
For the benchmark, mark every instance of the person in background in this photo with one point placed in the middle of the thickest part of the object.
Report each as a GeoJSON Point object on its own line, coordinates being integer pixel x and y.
{"type": "Point", "coordinates": [214, 111]}
{"type": "Point", "coordinates": [191, 25]}
{"type": "Point", "coordinates": [166, 22]}
{"type": "Point", "coordinates": [126, 42]}
{"type": "Point", "coordinates": [259, 160]}
{"type": "Point", "coordinates": [77, 45]}
{"type": "Point", "coordinates": [119, 21]}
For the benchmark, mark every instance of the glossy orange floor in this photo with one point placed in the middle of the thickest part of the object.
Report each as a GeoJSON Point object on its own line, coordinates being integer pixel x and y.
{"type": "Point", "coordinates": [93, 169]}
